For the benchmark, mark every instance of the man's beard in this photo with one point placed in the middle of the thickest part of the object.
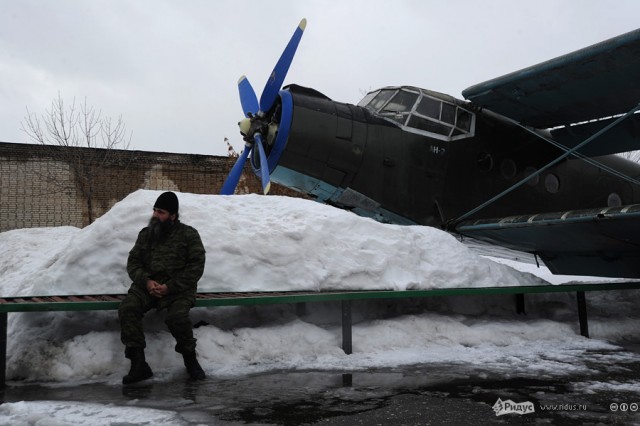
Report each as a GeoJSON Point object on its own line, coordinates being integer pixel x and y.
{"type": "Point", "coordinates": [160, 230]}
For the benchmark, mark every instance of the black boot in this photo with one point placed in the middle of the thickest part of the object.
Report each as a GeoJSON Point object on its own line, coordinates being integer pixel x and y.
{"type": "Point", "coordinates": [193, 367]}
{"type": "Point", "coordinates": [140, 370]}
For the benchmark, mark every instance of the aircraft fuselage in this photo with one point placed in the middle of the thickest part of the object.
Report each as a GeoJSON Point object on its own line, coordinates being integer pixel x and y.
{"type": "Point", "coordinates": [346, 156]}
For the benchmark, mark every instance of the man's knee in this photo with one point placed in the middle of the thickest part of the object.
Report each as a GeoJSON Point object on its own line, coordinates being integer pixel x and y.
{"type": "Point", "coordinates": [131, 305]}
{"type": "Point", "coordinates": [178, 313]}
{"type": "Point", "coordinates": [179, 307]}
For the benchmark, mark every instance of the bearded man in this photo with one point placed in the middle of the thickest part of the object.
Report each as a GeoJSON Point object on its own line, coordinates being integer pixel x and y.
{"type": "Point", "coordinates": [165, 265]}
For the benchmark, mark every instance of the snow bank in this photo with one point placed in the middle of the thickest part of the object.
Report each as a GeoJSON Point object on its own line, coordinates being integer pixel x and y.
{"type": "Point", "coordinates": [253, 243]}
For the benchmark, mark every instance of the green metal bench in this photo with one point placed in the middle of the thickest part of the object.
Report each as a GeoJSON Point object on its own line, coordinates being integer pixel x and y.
{"type": "Point", "coordinates": [112, 301]}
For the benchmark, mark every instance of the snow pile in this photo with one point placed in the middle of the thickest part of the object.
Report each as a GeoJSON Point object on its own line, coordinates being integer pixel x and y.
{"type": "Point", "coordinates": [253, 243]}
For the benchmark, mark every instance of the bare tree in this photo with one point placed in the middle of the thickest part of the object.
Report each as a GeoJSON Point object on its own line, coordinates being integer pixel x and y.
{"type": "Point", "coordinates": [64, 128]}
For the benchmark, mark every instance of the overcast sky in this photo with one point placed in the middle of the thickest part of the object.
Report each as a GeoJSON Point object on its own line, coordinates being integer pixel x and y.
{"type": "Point", "coordinates": [170, 68]}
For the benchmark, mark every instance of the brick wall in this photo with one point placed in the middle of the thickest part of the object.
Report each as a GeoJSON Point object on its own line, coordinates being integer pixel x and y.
{"type": "Point", "coordinates": [39, 189]}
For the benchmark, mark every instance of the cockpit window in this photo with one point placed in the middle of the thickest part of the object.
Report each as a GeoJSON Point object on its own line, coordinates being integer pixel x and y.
{"type": "Point", "coordinates": [422, 111]}
{"type": "Point", "coordinates": [429, 107]}
{"type": "Point", "coordinates": [402, 102]}
{"type": "Point", "coordinates": [380, 99]}
{"type": "Point", "coordinates": [448, 113]}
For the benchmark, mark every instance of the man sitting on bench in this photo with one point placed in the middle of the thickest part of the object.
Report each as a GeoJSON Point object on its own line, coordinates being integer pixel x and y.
{"type": "Point", "coordinates": [165, 265]}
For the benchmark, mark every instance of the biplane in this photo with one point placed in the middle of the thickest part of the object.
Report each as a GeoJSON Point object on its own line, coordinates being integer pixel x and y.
{"type": "Point", "coordinates": [527, 161]}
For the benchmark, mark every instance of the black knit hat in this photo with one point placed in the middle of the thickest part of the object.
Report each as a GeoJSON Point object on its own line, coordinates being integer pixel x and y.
{"type": "Point", "coordinates": [167, 201]}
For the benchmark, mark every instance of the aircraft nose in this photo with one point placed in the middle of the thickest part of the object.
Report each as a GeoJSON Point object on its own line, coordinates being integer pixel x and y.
{"type": "Point", "coordinates": [260, 115]}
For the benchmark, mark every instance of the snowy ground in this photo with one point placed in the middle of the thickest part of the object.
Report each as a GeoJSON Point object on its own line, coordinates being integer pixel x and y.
{"type": "Point", "coordinates": [259, 243]}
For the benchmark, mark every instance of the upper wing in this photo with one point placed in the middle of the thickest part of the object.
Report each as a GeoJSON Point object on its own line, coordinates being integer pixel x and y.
{"type": "Point", "coordinates": [594, 82]}
{"type": "Point", "coordinates": [598, 242]}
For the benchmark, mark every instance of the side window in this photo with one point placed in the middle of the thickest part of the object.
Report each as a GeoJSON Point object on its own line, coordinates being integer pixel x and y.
{"type": "Point", "coordinates": [420, 123]}
{"type": "Point", "coordinates": [464, 120]}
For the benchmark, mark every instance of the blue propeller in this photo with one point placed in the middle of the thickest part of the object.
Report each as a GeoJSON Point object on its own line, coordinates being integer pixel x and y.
{"type": "Point", "coordinates": [274, 83]}
{"type": "Point", "coordinates": [257, 114]}
{"type": "Point", "coordinates": [248, 98]}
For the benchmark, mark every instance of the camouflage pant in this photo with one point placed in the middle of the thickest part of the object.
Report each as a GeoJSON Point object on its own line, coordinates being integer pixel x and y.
{"type": "Point", "coordinates": [136, 304]}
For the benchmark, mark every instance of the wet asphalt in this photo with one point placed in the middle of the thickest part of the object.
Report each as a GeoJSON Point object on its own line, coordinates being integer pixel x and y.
{"type": "Point", "coordinates": [434, 394]}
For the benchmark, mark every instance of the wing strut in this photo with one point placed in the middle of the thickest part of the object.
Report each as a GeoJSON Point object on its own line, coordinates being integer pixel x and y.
{"type": "Point", "coordinates": [569, 152]}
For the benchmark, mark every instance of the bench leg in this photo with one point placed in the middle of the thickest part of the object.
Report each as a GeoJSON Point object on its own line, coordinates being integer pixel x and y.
{"type": "Point", "coordinates": [582, 314]}
{"type": "Point", "coordinates": [301, 309]}
{"type": "Point", "coordinates": [346, 327]}
{"type": "Point", "coordinates": [3, 348]}
{"type": "Point", "coordinates": [520, 304]}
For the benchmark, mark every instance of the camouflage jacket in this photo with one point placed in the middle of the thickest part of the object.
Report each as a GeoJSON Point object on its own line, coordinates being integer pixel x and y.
{"type": "Point", "coordinates": [178, 261]}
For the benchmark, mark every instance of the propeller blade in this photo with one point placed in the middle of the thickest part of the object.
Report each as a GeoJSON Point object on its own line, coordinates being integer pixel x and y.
{"type": "Point", "coordinates": [248, 98]}
{"type": "Point", "coordinates": [229, 186]}
{"type": "Point", "coordinates": [274, 83]}
{"type": "Point", "coordinates": [264, 165]}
